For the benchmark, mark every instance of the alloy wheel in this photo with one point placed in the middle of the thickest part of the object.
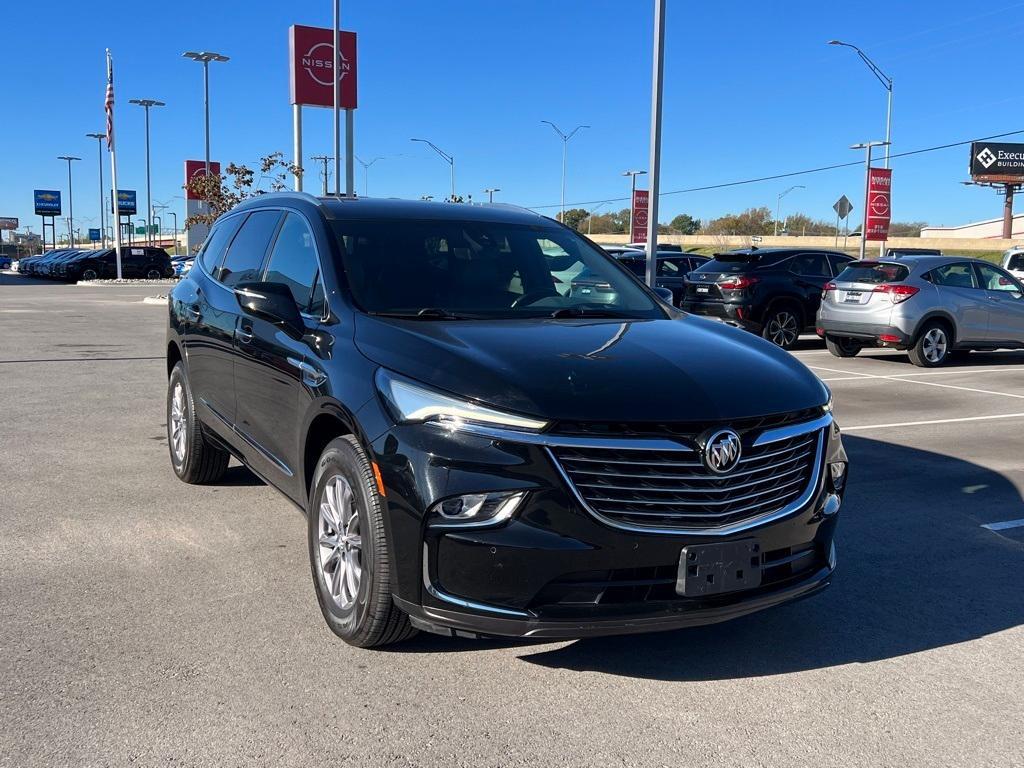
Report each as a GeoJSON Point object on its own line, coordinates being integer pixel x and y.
{"type": "Point", "coordinates": [783, 329]}
{"type": "Point", "coordinates": [935, 345]}
{"type": "Point", "coordinates": [341, 544]}
{"type": "Point", "coordinates": [179, 424]}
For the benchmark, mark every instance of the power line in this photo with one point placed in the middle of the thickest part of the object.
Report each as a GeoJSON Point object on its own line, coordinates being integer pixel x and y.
{"type": "Point", "coordinates": [791, 173]}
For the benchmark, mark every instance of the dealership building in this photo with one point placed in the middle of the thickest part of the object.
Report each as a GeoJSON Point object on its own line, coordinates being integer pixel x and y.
{"type": "Point", "coordinates": [990, 228]}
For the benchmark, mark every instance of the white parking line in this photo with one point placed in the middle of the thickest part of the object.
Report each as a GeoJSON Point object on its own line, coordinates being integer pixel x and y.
{"type": "Point", "coordinates": [848, 373]}
{"type": "Point", "coordinates": [1005, 525]}
{"type": "Point", "coordinates": [863, 427]}
{"type": "Point", "coordinates": [951, 372]}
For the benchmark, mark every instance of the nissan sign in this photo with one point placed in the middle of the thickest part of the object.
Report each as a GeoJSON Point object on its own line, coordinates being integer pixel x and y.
{"type": "Point", "coordinates": [996, 162]}
{"type": "Point", "coordinates": [194, 168]}
{"type": "Point", "coordinates": [311, 56]}
{"type": "Point", "coordinates": [879, 204]}
{"type": "Point", "coordinates": [638, 227]}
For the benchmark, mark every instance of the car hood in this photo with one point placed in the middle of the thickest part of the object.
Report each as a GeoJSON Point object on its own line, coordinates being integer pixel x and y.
{"type": "Point", "coordinates": [687, 369]}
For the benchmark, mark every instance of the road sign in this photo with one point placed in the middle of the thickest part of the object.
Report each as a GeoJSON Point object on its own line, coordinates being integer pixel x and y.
{"type": "Point", "coordinates": [126, 202]}
{"type": "Point", "coordinates": [311, 52]}
{"type": "Point", "coordinates": [47, 202]}
{"type": "Point", "coordinates": [194, 168]}
{"type": "Point", "coordinates": [8, 222]}
{"type": "Point", "coordinates": [843, 207]}
{"type": "Point", "coordinates": [638, 227]}
{"type": "Point", "coordinates": [94, 235]}
{"type": "Point", "coordinates": [140, 230]}
{"type": "Point", "coordinates": [879, 203]}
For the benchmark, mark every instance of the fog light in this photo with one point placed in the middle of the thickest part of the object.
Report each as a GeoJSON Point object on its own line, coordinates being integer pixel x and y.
{"type": "Point", "coordinates": [473, 510]}
{"type": "Point", "coordinates": [837, 469]}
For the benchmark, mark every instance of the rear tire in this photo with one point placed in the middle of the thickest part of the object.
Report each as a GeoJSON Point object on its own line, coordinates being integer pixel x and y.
{"type": "Point", "coordinates": [194, 458]}
{"type": "Point", "coordinates": [933, 346]}
{"type": "Point", "coordinates": [782, 325]}
{"type": "Point", "coordinates": [90, 274]}
{"type": "Point", "coordinates": [843, 346]}
{"type": "Point", "coordinates": [349, 553]}
{"type": "Point", "coordinates": [153, 274]}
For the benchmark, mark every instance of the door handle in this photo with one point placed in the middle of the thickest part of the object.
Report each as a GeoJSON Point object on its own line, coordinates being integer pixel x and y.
{"type": "Point", "coordinates": [311, 376]}
{"type": "Point", "coordinates": [244, 335]}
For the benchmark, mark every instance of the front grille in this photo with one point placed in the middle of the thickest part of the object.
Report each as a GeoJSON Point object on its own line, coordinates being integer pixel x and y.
{"type": "Point", "coordinates": [672, 489]}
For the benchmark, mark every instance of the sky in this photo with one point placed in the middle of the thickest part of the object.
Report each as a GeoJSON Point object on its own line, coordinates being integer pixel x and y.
{"type": "Point", "coordinates": [751, 90]}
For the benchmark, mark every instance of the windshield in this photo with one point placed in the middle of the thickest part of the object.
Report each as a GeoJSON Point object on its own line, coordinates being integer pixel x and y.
{"type": "Point", "coordinates": [1016, 262]}
{"type": "Point", "coordinates": [450, 269]}
{"type": "Point", "coordinates": [873, 272]}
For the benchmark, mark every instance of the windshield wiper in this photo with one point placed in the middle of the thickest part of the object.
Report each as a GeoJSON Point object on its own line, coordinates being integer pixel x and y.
{"type": "Point", "coordinates": [584, 312]}
{"type": "Point", "coordinates": [427, 313]}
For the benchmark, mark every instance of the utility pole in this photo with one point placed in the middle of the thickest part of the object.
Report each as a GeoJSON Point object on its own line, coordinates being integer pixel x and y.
{"type": "Point", "coordinates": [490, 193]}
{"type": "Point", "coordinates": [325, 159]}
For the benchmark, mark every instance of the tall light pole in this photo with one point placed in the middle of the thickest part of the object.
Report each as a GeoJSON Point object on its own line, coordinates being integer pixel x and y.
{"type": "Point", "coordinates": [632, 194]}
{"type": "Point", "coordinates": [565, 148]}
{"type": "Point", "coordinates": [868, 146]}
{"type": "Point", "coordinates": [146, 104]}
{"type": "Point", "coordinates": [103, 212]}
{"type": "Point", "coordinates": [657, 81]}
{"type": "Point", "coordinates": [886, 81]}
{"type": "Point", "coordinates": [447, 158]}
{"type": "Point", "coordinates": [205, 57]}
{"type": "Point", "coordinates": [366, 173]}
{"type": "Point", "coordinates": [490, 193]}
{"type": "Point", "coordinates": [778, 204]}
{"type": "Point", "coordinates": [71, 205]}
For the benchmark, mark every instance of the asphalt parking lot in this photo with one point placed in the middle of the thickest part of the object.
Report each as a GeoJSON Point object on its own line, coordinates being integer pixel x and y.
{"type": "Point", "coordinates": [144, 621]}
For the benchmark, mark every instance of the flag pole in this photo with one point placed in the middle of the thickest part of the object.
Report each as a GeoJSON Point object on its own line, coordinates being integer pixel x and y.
{"type": "Point", "coordinates": [109, 107]}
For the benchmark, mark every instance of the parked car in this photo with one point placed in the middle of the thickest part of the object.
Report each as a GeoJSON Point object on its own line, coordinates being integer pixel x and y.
{"type": "Point", "coordinates": [181, 265]}
{"type": "Point", "coordinates": [137, 262]}
{"type": "Point", "coordinates": [5, 261]}
{"type": "Point", "coordinates": [1013, 262]}
{"type": "Point", "coordinates": [935, 307]}
{"type": "Point", "coordinates": [620, 250]}
{"type": "Point", "coordinates": [774, 292]}
{"type": "Point", "coordinates": [470, 445]}
{"type": "Point", "coordinates": [896, 253]}
{"type": "Point", "coordinates": [662, 247]}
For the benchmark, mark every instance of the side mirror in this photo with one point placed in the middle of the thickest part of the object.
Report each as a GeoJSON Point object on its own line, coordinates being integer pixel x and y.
{"type": "Point", "coordinates": [664, 294]}
{"type": "Point", "coordinates": [272, 302]}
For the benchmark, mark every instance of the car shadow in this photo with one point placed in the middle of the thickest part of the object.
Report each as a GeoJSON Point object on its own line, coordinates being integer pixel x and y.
{"type": "Point", "coordinates": [973, 360]}
{"type": "Point", "coordinates": [916, 571]}
{"type": "Point", "coordinates": [238, 476]}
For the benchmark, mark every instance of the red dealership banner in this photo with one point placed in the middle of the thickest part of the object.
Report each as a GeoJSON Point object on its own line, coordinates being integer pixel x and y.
{"type": "Point", "coordinates": [310, 53]}
{"type": "Point", "coordinates": [194, 168]}
{"type": "Point", "coordinates": [638, 227]}
{"type": "Point", "coordinates": [879, 204]}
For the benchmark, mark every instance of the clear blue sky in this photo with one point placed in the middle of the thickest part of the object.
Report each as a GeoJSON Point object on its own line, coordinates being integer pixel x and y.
{"type": "Point", "coordinates": [751, 89]}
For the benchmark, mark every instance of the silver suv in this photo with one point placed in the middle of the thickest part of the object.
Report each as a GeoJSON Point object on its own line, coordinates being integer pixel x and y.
{"type": "Point", "coordinates": [934, 307]}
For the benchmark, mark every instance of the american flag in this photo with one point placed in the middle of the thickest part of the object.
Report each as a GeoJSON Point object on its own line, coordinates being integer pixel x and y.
{"type": "Point", "coordinates": [108, 103]}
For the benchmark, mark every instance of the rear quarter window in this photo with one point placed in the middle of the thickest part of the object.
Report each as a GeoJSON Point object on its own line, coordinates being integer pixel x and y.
{"type": "Point", "coordinates": [874, 272]}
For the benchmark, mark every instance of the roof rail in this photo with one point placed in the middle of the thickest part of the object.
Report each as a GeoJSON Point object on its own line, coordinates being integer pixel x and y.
{"type": "Point", "coordinates": [305, 197]}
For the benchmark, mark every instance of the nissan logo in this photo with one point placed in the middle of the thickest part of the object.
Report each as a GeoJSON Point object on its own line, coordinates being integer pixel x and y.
{"type": "Point", "coordinates": [721, 452]}
{"type": "Point", "coordinates": [317, 63]}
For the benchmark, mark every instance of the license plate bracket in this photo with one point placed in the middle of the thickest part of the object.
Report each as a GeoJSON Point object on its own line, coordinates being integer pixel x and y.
{"type": "Point", "coordinates": [715, 569]}
{"type": "Point", "coordinates": [853, 297]}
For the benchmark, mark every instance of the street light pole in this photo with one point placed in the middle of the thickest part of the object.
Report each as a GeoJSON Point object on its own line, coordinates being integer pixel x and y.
{"type": "Point", "coordinates": [778, 204]}
{"type": "Point", "coordinates": [632, 196]}
{"type": "Point", "coordinates": [205, 57]}
{"type": "Point", "coordinates": [565, 149]}
{"type": "Point", "coordinates": [490, 193]}
{"type": "Point", "coordinates": [450, 159]}
{"type": "Point", "coordinates": [867, 146]}
{"type": "Point", "coordinates": [366, 173]}
{"type": "Point", "coordinates": [146, 104]}
{"type": "Point", "coordinates": [657, 78]}
{"type": "Point", "coordinates": [103, 213]}
{"type": "Point", "coordinates": [71, 204]}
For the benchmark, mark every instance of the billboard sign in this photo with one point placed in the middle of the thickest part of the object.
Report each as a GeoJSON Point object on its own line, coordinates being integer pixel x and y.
{"type": "Point", "coordinates": [310, 53]}
{"type": "Point", "coordinates": [879, 204]}
{"type": "Point", "coordinates": [638, 226]}
{"type": "Point", "coordinates": [8, 222]}
{"type": "Point", "coordinates": [194, 168]}
{"type": "Point", "coordinates": [126, 202]}
{"type": "Point", "coordinates": [47, 202]}
{"type": "Point", "coordinates": [997, 162]}
{"type": "Point", "coordinates": [94, 235]}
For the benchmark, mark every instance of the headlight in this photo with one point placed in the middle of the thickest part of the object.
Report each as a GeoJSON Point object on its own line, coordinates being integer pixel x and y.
{"type": "Point", "coordinates": [474, 510]}
{"type": "Point", "coordinates": [827, 407]}
{"type": "Point", "coordinates": [413, 404]}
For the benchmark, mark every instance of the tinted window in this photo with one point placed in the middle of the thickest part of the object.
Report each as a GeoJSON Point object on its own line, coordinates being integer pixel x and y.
{"type": "Point", "coordinates": [318, 303]}
{"type": "Point", "coordinates": [217, 241]}
{"type": "Point", "coordinates": [1016, 261]}
{"type": "Point", "coordinates": [955, 276]}
{"type": "Point", "coordinates": [245, 255]}
{"type": "Point", "coordinates": [672, 267]}
{"type": "Point", "coordinates": [993, 279]}
{"type": "Point", "coordinates": [839, 263]}
{"type": "Point", "coordinates": [293, 260]}
{"type": "Point", "coordinates": [810, 264]}
{"type": "Point", "coordinates": [636, 266]}
{"type": "Point", "coordinates": [873, 272]}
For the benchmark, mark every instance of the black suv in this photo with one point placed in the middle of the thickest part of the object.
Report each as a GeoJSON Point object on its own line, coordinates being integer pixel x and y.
{"type": "Point", "coordinates": [775, 292]}
{"type": "Point", "coordinates": [137, 262]}
{"type": "Point", "coordinates": [470, 442]}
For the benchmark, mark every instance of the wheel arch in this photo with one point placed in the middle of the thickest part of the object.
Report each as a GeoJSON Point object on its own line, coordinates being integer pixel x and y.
{"type": "Point", "coordinates": [932, 316]}
{"type": "Point", "coordinates": [329, 421]}
{"type": "Point", "coordinates": [789, 299]}
{"type": "Point", "coordinates": [174, 356]}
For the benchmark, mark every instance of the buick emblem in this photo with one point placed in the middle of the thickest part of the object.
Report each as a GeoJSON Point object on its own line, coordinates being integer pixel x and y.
{"type": "Point", "coordinates": [721, 451]}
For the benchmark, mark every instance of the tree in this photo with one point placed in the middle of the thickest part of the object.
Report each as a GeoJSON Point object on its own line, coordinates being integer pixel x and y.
{"type": "Point", "coordinates": [753, 221]}
{"type": "Point", "coordinates": [685, 224]}
{"type": "Point", "coordinates": [224, 191]}
{"type": "Point", "coordinates": [906, 228]}
{"type": "Point", "coordinates": [574, 217]}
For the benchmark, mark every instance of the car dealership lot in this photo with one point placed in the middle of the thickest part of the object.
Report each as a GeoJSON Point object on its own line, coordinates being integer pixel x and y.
{"type": "Point", "coordinates": [150, 621]}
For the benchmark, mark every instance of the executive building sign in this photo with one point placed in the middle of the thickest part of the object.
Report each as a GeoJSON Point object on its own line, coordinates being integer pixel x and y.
{"type": "Point", "coordinates": [311, 56]}
{"type": "Point", "coordinates": [641, 206]}
{"type": "Point", "coordinates": [997, 162]}
{"type": "Point", "coordinates": [47, 202]}
{"type": "Point", "coordinates": [879, 204]}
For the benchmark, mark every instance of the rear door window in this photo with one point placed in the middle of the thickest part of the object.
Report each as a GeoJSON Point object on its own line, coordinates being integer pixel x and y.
{"type": "Point", "coordinates": [993, 279]}
{"type": "Point", "coordinates": [873, 272]}
{"type": "Point", "coordinates": [810, 264]}
{"type": "Point", "coordinates": [244, 259]}
{"type": "Point", "coordinates": [217, 241]}
{"type": "Point", "coordinates": [959, 275]}
{"type": "Point", "coordinates": [671, 267]}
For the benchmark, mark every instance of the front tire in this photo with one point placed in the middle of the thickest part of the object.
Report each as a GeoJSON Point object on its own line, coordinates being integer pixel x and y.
{"type": "Point", "coordinates": [349, 553]}
{"type": "Point", "coordinates": [153, 274]}
{"type": "Point", "coordinates": [90, 274]}
{"type": "Point", "coordinates": [194, 458]}
{"type": "Point", "coordinates": [932, 348]}
{"type": "Point", "coordinates": [843, 346]}
{"type": "Point", "coordinates": [782, 326]}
